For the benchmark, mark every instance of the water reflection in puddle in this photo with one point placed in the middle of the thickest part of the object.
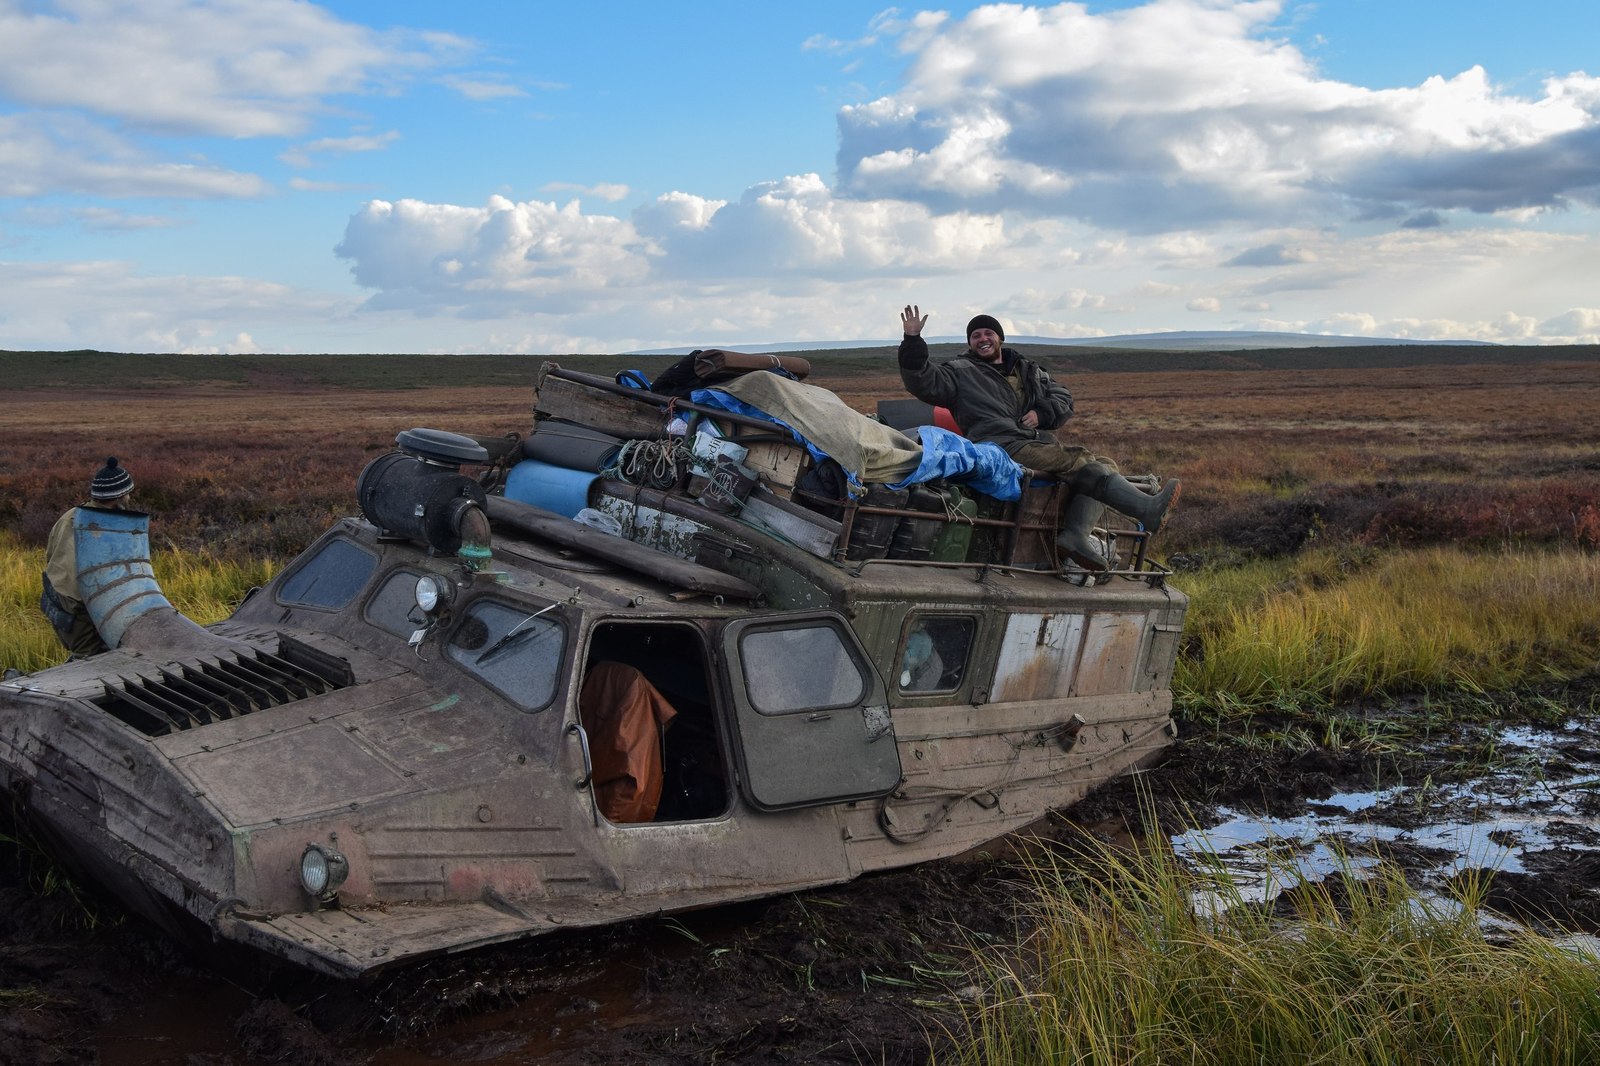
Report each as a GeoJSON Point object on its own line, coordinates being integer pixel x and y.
{"type": "Point", "coordinates": [1543, 797]}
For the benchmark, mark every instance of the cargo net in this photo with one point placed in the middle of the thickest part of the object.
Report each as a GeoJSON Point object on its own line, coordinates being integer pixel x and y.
{"type": "Point", "coordinates": [190, 694]}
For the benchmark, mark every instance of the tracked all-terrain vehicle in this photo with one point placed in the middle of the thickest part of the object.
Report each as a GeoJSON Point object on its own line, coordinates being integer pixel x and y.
{"type": "Point", "coordinates": [646, 657]}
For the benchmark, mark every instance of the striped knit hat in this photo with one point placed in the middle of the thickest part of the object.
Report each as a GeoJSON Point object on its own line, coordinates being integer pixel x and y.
{"type": "Point", "coordinates": [110, 482]}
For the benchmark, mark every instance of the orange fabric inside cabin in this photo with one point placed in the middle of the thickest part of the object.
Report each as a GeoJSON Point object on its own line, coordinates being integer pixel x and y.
{"type": "Point", "coordinates": [626, 718]}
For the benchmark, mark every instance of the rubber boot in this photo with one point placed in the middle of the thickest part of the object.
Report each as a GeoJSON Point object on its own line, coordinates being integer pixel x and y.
{"type": "Point", "coordinates": [1077, 540]}
{"type": "Point", "coordinates": [1120, 494]}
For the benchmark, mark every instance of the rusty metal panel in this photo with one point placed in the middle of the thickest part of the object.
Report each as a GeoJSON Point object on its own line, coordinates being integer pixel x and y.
{"type": "Point", "coordinates": [313, 769]}
{"type": "Point", "coordinates": [652, 527]}
{"type": "Point", "coordinates": [1037, 655]}
{"type": "Point", "coordinates": [1160, 655]}
{"type": "Point", "coordinates": [1110, 654]}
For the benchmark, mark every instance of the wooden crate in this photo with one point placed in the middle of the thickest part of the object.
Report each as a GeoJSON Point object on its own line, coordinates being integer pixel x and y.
{"type": "Point", "coordinates": [619, 416]}
{"type": "Point", "coordinates": [779, 463]}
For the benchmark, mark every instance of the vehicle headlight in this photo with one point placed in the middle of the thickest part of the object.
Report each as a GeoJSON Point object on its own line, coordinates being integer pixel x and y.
{"type": "Point", "coordinates": [429, 593]}
{"type": "Point", "coordinates": [322, 871]}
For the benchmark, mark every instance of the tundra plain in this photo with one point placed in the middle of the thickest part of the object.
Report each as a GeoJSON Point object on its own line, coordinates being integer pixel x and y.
{"type": "Point", "coordinates": [1315, 481]}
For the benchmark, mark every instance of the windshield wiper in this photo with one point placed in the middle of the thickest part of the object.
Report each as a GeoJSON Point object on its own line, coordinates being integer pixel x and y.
{"type": "Point", "coordinates": [512, 635]}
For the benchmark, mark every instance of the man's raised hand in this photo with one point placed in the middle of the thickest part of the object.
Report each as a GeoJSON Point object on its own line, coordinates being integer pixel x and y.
{"type": "Point", "coordinates": [912, 320]}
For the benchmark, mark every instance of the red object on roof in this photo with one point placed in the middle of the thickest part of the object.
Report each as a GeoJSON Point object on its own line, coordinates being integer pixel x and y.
{"type": "Point", "coordinates": [945, 420]}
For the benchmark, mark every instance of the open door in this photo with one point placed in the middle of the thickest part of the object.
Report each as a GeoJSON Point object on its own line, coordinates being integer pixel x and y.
{"type": "Point", "coordinates": [810, 712]}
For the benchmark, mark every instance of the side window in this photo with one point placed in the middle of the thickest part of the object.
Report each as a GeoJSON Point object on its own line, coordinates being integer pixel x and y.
{"type": "Point", "coordinates": [934, 657]}
{"type": "Point", "coordinates": [513, 648]}
{"type": "Point", "coordinates": [804, 669]}
{"type": "Point", "coordinates": [390, 607]}
{"type": "Point", "coordinates": [331, 578]}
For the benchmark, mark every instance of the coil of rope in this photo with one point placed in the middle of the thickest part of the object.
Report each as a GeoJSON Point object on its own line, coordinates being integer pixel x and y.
{"type": "Point", "coordinates": [655, 464]}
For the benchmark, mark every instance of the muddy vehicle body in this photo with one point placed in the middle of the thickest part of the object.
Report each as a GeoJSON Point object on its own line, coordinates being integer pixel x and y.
{"type": "Point", "coordinates": [464, 718]}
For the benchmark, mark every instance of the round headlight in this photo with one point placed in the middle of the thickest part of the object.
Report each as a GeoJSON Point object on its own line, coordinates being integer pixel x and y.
{"type": "Point", "coordinates": [427, 593]}
{"type": "Point", "coordinates": [322, 871]}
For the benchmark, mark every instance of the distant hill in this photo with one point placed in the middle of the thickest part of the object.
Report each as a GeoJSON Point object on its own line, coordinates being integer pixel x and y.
{"type": "Point", "coordinates": [154, 372]}
{"type": "Point", "coordinates": [1214, 340]}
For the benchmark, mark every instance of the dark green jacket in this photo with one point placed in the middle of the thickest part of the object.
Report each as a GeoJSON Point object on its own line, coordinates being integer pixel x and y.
{"type": "Point", "coordinates": [980, 396]}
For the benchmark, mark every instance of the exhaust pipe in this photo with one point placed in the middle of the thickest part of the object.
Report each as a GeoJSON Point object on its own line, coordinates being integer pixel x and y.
{"type": "Point", "coordinates": [120, 591]}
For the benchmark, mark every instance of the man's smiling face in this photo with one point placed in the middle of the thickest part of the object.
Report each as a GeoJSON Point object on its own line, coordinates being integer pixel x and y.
{"type": "Point", "coordinates": [985, 343]}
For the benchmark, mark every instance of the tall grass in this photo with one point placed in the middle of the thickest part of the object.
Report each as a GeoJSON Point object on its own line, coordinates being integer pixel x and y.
{"type": "Point", "coordinates": [1333, 623]}
{"type": "Point", "coordinates": [1124, 968]}
{"type": "Point", "coordinates": [200, 586]}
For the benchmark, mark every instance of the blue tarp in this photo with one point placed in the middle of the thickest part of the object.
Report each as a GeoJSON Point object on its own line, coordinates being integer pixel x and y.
{"type": "Point", "coordinates": [985, 467]}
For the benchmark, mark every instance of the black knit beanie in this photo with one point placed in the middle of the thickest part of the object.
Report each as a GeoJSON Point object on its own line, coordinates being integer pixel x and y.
{"type": "Point", "coordinates": [110, 482]}
{"type": "Point", "coordinates": [986, 322]}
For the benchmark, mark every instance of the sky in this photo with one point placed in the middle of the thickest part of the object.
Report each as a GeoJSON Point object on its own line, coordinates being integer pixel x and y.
{"type": "Point", "coordinates": [244, 176]}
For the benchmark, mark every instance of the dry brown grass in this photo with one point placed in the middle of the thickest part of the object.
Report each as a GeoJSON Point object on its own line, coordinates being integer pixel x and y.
{"type": "Point", "coordinates": [1271, 459]}
{"type": "Point", "coordinates": [238, 471]}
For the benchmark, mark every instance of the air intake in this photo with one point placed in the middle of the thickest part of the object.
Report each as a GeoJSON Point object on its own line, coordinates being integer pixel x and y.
{"type": "Point", "coordinates": [215, 688]}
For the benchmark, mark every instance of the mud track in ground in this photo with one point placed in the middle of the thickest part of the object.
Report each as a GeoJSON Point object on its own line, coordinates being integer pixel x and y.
{"type": "Point", "coordinates": [865, 972]}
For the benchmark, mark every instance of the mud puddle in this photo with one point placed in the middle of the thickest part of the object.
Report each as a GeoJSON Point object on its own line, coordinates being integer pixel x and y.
{"type": "Point", "coordinates": [865, 972]}
{"type": "Point", "coordinates": [1538, 811]}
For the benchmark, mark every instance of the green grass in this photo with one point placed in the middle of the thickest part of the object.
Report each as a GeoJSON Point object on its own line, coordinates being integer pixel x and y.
{"type": "Point", "coordinates": [1330, 624]}
{"type": "Point", "coordinates": [200, 586]}
{"type": "Point", "coordinates": [1124, 968]}
{"type": "Point", "coordinates": [1325, 625]}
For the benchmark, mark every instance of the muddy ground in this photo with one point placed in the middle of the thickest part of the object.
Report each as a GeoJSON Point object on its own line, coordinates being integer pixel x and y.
{"type": "Point", "coordinates": [866, 972]}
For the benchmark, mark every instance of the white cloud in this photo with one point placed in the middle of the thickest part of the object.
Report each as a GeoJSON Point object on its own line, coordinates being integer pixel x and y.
{"type": "Point", "coordinates": [46, 306]}
{"type": "Point", "coordinates": [1209, 304]}
{"type": "Point", "coordinates": [1580, 325]}
{"type": "Point", "coordinates": [483, 88]}
{"type": "Point", "coordinates": [65, 154]}
{"type": "Point", "coordinates": [300, 155]}
{"type": "Point", "coordinates": [1034, 303]}
{"type": "Point", "coordinates": [236, 68]}
{"type": "Point", "coordinates": [442, 257]}
{"type": "Point", "coordinates": [1272, 255]}
{"type": "Point", "coordinates": [608, 191]}
{"type": "Point", "coordinates": [1181, 113]}
{"type": "Point", "coordinates": [796, 226]}
{"type": "Point", "coordinates": [1346, 323]}
{"type": "Point", "coordinates": [886, 22]}
{"type": "Point", "coordinates": [307, 185]}
{"type": "Point", "coordinates": [104, 218]}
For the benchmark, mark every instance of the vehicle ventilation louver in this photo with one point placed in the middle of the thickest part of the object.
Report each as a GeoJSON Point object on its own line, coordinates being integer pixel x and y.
{"type": "Point", "coordinates": [202, 691]}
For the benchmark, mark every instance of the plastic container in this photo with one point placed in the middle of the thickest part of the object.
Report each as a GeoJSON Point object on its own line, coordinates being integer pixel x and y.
{"type": "Point", "coordinates": [954, 538]}
{"type": "Point", "coordinates": [871, 534]}
{"type": "Point", "coordinates": [913, 537]}
{"type": "Point", "coordinates": [554, 488]}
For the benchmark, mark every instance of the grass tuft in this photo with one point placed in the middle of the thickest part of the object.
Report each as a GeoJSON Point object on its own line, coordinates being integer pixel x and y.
{"type": "Point", "coordinates": [1125, 967]}
{"type": "Point", "coordinates": [201, 586]}
{"type": "Point", "coordinates": [1332, 624]}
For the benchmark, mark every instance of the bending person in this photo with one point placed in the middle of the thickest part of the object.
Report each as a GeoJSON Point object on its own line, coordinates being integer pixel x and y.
{"type": "Point", "coordinates": [999, 396]}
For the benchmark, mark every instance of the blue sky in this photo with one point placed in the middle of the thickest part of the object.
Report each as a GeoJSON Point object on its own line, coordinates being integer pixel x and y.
{"type": "Point", "coordinates": [280, 176]}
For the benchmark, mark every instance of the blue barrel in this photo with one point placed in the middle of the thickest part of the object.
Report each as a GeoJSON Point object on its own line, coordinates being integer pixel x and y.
{"type": "Point", "coordinates": [554, 488]}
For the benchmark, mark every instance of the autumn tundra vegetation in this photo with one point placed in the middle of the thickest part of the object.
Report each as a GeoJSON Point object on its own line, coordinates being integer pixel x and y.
{"type": "Point", "coordinates": [1358, 526]}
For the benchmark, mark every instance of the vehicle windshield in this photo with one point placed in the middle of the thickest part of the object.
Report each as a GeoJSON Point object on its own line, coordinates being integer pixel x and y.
{"type": "Point", "coordinates": [511, 647]}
